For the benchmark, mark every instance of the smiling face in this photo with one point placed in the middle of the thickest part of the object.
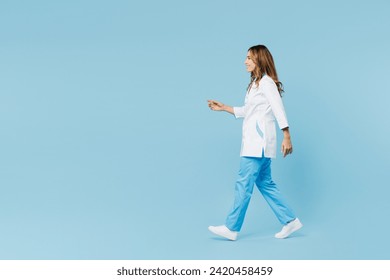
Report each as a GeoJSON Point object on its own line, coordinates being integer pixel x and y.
{"type": "Point", "coordinates": [249, 63]}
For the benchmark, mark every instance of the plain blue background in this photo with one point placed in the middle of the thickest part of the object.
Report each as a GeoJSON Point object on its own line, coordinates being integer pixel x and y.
{"type": "Point", "coordinates": [109, 151]}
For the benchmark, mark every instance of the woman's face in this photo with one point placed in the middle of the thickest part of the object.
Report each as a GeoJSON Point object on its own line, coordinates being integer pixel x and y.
{"type": "Point", "coordinates": [250, 65]}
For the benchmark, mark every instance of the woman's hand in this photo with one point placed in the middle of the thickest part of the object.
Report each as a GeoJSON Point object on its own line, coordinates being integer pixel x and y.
{"type": "Point", "coordinates": [286, 143]}
{"type": "Point", "coordinates": [215, 105]}
{"type": "Point", "coordinates": [218, 106]}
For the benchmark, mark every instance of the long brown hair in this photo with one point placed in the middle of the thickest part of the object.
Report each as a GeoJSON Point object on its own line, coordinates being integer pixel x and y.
{"type": "Point", "coordinates": [264, 62]}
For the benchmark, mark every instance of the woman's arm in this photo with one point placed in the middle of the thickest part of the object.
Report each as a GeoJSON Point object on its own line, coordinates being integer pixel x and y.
{"type": "Point", "coordinates": [218, 106]}
{"type": "Point", "coordinates": [275, 101]}
{"type": "Point", "coordinates": [271, 93]}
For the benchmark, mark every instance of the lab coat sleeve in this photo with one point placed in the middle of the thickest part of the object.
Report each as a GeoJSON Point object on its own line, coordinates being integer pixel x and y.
{"type": "Point", "coordinates": [272, 94]}
{"type": "Point", "coordinates": [239, 112]}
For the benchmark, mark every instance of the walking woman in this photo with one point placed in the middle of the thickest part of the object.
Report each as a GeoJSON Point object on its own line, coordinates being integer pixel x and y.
{"type": "Point", "coordinates": [263, 105]}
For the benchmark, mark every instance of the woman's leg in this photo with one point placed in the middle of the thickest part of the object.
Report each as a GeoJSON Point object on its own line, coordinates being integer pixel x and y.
{"type": "Point", "coordinates": [249, 171]}
{"type": "Point", "coordinates": [272, 195]}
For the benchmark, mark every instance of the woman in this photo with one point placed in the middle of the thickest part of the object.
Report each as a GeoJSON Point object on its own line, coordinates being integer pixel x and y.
{"type": "Point", "coordinates": [263, 104]}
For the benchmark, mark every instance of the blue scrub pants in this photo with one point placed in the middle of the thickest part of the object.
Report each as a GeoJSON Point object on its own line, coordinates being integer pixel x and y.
{"type": "Point", "coordinates": [256, 171]}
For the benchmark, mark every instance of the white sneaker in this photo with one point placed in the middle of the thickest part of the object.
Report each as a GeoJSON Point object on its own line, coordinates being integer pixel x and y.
{"type": "Point", "coordinates": [289, 228]}
{"type": "Point", "coordinates": [224, 232]}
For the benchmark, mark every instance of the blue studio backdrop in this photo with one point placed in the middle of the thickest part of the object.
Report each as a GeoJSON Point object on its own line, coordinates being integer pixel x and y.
{"type": "Point", "coordinates": [109, 151]}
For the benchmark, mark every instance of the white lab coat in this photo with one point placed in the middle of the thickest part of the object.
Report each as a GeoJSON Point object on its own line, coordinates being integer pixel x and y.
{"type": "Point", "coordinates": [263, 105]}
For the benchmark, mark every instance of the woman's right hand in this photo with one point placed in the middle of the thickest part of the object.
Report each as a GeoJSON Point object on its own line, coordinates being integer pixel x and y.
{"type": "Point", "coordinates": [215, 105]}
{"type": "Point", "coordinates": [218, 106]}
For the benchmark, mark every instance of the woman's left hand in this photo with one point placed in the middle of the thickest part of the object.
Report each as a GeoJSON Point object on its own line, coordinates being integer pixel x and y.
{"type": "Point", "coordinates": [286, 146]}
{"type": "Point", "coordinates": [286, 143]}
